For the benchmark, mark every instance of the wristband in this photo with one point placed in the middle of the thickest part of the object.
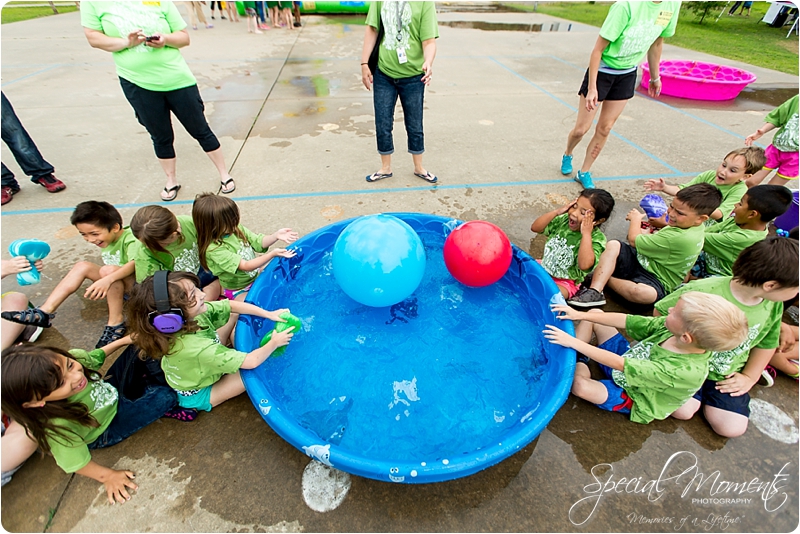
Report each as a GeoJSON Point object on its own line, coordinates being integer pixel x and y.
{"type": "Point", "coordinates": [365, 63]}
{"type": "Point", "coordinates": [655, 80]}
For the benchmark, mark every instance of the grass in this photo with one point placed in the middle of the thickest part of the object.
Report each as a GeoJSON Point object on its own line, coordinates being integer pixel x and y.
{"type": "Point", "coordinates": [16, 14]}
{"type": "Point", "coordinates": [737, 37]}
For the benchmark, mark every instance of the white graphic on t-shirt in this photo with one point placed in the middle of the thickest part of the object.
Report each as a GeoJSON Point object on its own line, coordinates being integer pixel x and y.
{"type": "Point", "coordinates": [638, 37]}
{"type": "Point", "coordinates": [247, 253]}
{"type": "Point", "coordinates": [640, 351]}
{"type": "Point", "coordinates": [131, 16]}
{"type": "Point", "coordinates": [112, 258]}
{"type": "Point", "coordinates": [389, 18]}
{"type": "Point", "coordinates": [103, 394]}
{"type": "Point", "coordinates": [787, 139]}
{"type": "Point", "coordinates": [720, 362]}
{"type": "Point", "coordinates": [558, 257]}
{"type": "Point", "coordinates": [188, 260]}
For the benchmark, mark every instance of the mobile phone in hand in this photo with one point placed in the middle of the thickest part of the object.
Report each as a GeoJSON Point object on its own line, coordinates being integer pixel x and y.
{"type": "Point", "coordinates": [151, 38]}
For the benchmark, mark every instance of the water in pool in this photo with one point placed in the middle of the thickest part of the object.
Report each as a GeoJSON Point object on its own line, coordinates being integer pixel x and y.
{"type": "Point", "coordinates": [448, 370]}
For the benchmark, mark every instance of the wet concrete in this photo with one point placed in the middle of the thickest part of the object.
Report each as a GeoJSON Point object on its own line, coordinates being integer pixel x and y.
{"type": "Point", "coordinates": [297, 131]}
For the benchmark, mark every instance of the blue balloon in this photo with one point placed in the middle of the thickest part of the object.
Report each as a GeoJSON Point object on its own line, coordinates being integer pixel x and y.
{"type": "Point", "coordinates": [378, 260]}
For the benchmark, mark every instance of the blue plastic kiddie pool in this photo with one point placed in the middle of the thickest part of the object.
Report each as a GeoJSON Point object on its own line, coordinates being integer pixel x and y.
{"type": "Point", "coordinates": [444, 384]}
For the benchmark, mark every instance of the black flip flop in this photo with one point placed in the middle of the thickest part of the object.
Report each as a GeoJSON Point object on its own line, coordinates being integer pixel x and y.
{"type": "Point", "coordinates": [428, 177]}
{"type": "Point", "coordinates": [223, 184]}
{"type": "Point", "coordinates": [375, 176]}
{"type": "Point", "coordinates": [172, 192]}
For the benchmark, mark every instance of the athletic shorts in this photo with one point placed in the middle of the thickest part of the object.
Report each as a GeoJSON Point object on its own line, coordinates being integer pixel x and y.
{"type": "Point", "coordinates": [231, 294]}
{"type": "Point", "coordinates": [611, 86]}
{"type": "Point", "coordinates": [618, 400]}
{"type": "Point", "coordinates": [199, 399]}
{"type": "Point", "coordinates": [784, 162]}
{"type": "Point", "coordinates": [710, 396]}
{"type": "Point", "coordinates": [629, 268]}
{"type": "Point", "coordinates": [206, 277]}
{"type": "Point", "coordinates": [567, 284]}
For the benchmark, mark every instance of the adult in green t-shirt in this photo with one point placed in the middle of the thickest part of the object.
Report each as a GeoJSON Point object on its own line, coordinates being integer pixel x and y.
{"type": "Point", "coordinates": [631, 31]}
{"type": "Point", "coordinates": [405, 67]}
{"type": "Point", "coordinates": [144, 38]}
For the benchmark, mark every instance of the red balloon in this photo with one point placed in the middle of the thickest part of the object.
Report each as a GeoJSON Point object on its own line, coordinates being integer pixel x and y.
{"type": "Point", "coordinates": [477, 253]}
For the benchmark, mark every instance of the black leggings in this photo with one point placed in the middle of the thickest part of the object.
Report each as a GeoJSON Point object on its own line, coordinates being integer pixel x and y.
{"type": "Point", "coordinates": [153, 112]}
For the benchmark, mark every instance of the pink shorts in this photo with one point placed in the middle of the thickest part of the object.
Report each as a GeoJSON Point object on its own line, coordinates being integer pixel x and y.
{"type": "Point", "coordinates": [567, 284]}
{"type": "Point", "coordinates": [231, 294]}
{"type": "Point", "coordinates": [784, 162]}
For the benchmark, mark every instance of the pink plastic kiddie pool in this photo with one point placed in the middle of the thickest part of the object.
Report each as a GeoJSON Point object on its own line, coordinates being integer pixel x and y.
{"type": "Point", "coordinates": [698, 80]}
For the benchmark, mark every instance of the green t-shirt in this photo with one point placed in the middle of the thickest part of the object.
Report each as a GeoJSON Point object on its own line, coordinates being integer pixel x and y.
{"type": "Point", "coordinates": [763, 320]}
{"type": "Point", "coordinates": [183, 254]}
{"type": "Point", "coordinates": [731, 194]}
{"type": "Point", "coordinates": [122, 250]}
{"type": "Point", "coordinates": [223, 259]}
{"type": "Point", "coordinates": [632, 27]}
{"type": "Point", "coordinates": [154, 69]}
{"type": "Point", "coordinates": [786, 118]}
{"type": "Point", "coordinates": [670, 253]}
{"type": "Point", "coordinates": [198, 359]}
{"type": "Point", "coordinates": [658, 380]}
{"type": "Point", "coordinates": [723, 243]}
{"type": "Point", "coordinates": [560, 258]}
{"type": "Point", "coordinates": [71, 451]}
{"type": "Point", "coordinates": [418, 24]}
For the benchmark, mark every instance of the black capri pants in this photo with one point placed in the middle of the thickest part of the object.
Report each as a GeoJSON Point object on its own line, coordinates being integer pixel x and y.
{"type": "Point", "coordinates": [153, 109]}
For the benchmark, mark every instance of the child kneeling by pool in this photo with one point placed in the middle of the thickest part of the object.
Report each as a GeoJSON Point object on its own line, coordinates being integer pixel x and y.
{"type": "Point", "coordinates": [654, 378]}
{"type": "Point", "coordinates": [171, 321]}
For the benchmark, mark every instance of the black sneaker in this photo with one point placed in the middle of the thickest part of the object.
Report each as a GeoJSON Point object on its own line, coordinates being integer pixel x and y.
{"type": "Point", "coordinates": [30, 334]}
{"type": "Point", "coordinates": [587, 298]}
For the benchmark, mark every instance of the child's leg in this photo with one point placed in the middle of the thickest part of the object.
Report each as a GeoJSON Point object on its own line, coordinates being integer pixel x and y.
{"type": "Point", "coordinates": [726, 424]}
{"type": "Point", "coordinates": [633, 292]}
{"type": "Point", "coordinates": [778, 180]}
{"type": "Point", "coordinates": [610, 110]}
{"type": "Point", "coordinates": [687, 411]}
{"type": "Point", "coordinates": [70, 284]}
{"type": "Point", "coordinates": [255, 24]}
{"type": "Point", "coordinates": [586, 329]}
{"type": "Point", "coordinates": [287, 18]}
{"type": "Point", "coordinates": [227, 387]}
{"type": "Point", "coordinates": [582, 125]}
{"type": "Point", "coordinates": [585, 387]}
{"type": "Point", "coordinates": [11, 331]}
{"type": "Point", "coordinates": [226, 332]}
{"type": "Point", "coordinates": [115, 297]}
{"type": "Point", "coordinates": [16, 447]}
{"type": "Point", "coordinates": [212, 291]}
{"type": "Point", "coordinates": [606, 265]}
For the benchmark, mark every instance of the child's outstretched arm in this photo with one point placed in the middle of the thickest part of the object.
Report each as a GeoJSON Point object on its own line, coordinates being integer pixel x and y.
{"type": "Point", "coordinates": [257, 357]}
{"type": "Point", "coordinates": [542, 221]}
{"type": "Point", "coordinates": [287, 235]}
{"type": "Point", "coordinates": [99, 289]}
{"type": "Point", "coordinates": [658, 184]}
{"type": "Point", "coordinates": [559, 337]}
{"type": "Point", "coordinates": [245, 308]}
{"type": "Point", "coordinates": [114, 481]}
{"type": "Point", "coordinates": [767, 126]}
{"type": "Point", "coordinates": [617, 320]}
{"type": "Point", "coordinates": [260, 261]}
{"type": "Point", "coordinates": [118, 344]}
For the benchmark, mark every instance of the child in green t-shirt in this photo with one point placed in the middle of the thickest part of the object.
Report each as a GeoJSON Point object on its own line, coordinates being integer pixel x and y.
{"type": "Point", "coordinates": [729, 178]}
{"type": "Point", "coordinates": [228, 249]}
{"type": "Point", "coordinates": [748, 224]}
{"type": "Point", "coordinates": [656, 377]}
{"type": "Point", "coordinates": [764, 276]}
{"type": "Point", "coordinates": [196, 361]}
{"type": "Point", "coordinates": [574, 240]}
{"type": "Point", "coordinates": [782, 152]}
{"type": "Point", "coordinates": [66, 409]}
{"type": "Point", "coordinates": [169, 243]}
{"type": "Point", "coordinates": [650, 266]}
{"type": "Point", "coordinates": [100, 224]}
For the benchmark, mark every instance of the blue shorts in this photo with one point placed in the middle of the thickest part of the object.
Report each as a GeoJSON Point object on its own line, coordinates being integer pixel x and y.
{"type": "Point", "coordinates": [199, 400]}
{"type": "Point", "coordinates": [618, 400]}
{"type": "Point", "coordinates": [206, 277]}
{"type": "Point", "coordinates": [710, 396]}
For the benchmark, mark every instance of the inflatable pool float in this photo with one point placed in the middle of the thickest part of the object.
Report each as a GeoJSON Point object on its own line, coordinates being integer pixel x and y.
{"type": "Point", "coordinates": [449, 381]}
{"type": "Point", "coordinates": [698, 80]}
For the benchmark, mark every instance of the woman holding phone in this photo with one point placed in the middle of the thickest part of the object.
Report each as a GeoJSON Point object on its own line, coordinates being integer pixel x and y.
{"type": "Point", "coordinates": [145, 38]}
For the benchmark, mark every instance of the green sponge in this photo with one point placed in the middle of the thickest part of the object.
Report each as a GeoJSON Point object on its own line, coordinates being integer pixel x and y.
{"type": "Point", "coordinates": [291, 321]}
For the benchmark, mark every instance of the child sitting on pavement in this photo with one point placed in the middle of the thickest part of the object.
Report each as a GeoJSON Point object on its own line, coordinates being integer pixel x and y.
{"type": "Point", "coordinates": [654, 378]}
{"type": "Point", "coordinates": [650, 266]}
{"type": "Point", "coordinates": [748, 224]}
{"type": "Point", "coordinates": [781, 154]}
{"type": "Point", "coordinates": [729, 178]}
{"type": "Point", "coordinates": [193, 353]}
{"type": "Point", "coordinates": [13, 301]}
{"type": "Point", "coordinates": [575, 241]}
{"type": "Point", "coordinates": [100, 224]}
{"type": "Point", "coordinates": [764, 275]}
